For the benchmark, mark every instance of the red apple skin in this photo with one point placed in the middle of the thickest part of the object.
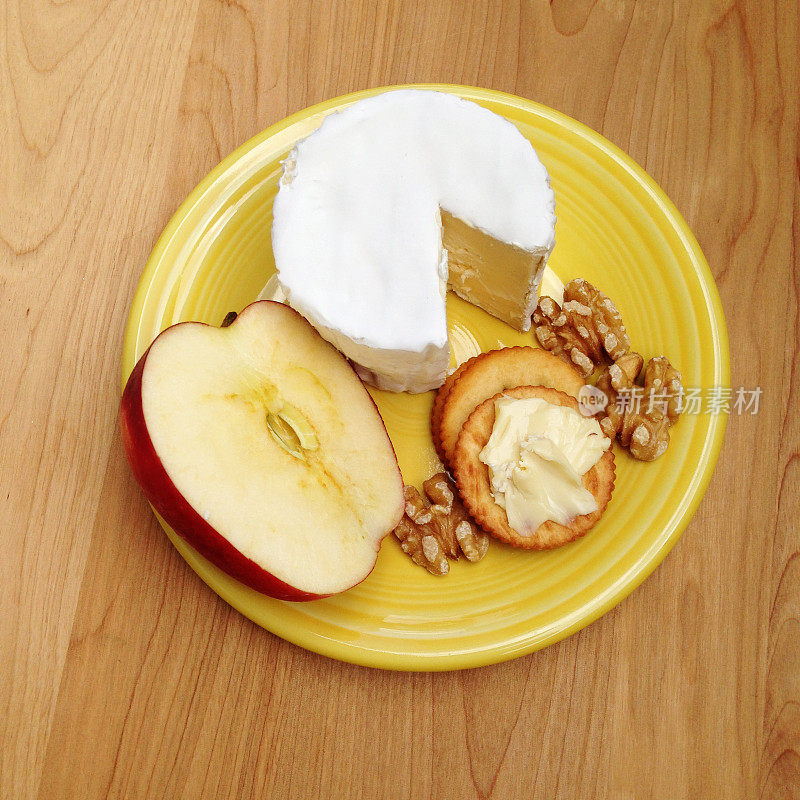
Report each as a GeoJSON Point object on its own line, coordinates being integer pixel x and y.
{"type": "Point", "coordinates": [173, 507]}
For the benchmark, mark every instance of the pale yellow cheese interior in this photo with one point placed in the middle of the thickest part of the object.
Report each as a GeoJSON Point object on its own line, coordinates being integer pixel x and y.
{"type": "Point", "coordinates": [500, 278]}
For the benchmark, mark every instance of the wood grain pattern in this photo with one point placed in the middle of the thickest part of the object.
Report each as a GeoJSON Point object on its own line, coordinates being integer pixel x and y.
{"type": "Point", "coordinates": [121, 675]}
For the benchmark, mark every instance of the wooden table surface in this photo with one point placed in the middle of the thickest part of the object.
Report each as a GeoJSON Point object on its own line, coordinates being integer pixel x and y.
{"type": "Point", "coordinates": [121, 674]}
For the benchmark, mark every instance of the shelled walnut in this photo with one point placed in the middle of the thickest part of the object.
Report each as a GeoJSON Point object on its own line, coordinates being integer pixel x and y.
{"type": "Point", "coordinates": [614, 381]}
{"type": "Point", "coordinates": [662, 379]}
{"type": "Point", "coordinates": [586, 331]}
{"type": "Point", "coordinates": [433, 532]}
{"type": "Point", "coordinates": [640, 416]}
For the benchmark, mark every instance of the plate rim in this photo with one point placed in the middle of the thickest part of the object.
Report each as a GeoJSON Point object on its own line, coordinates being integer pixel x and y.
{"type": "Point", "coordinates": [634, 576]}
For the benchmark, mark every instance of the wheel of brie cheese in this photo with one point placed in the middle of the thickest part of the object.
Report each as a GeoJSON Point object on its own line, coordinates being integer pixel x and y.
{"type": "Point", "coordinates": [394, 200]}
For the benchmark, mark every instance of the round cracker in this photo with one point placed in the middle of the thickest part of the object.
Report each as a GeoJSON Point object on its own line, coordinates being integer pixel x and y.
{"type": "Point", "coordinates": [489, 373]}
{"type": "Point", "coordinates": [472, 478]}
{"type": "Point", "coordinates": [438, 405]}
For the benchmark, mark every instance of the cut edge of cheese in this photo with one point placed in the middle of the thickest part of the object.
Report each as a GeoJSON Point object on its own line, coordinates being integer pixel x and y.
{"type": "Point", "coordinates": [508, 293]}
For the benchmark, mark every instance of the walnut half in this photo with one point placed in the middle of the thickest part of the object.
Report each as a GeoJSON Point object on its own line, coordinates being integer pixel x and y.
{"type": "Point", "coordinates": [640, 416]}
{"type": "Point", "coordinates": [432, 533]}
{"type": "Point", "coordinates": [586, 331]}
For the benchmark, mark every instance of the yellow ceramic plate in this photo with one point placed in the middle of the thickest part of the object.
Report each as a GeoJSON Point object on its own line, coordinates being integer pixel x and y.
{"type": "Point", "coordinates": [616, 228]}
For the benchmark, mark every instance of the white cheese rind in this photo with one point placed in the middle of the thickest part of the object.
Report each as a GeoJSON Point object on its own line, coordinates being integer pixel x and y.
{"type": "Point", "coordinates": [357, 228]}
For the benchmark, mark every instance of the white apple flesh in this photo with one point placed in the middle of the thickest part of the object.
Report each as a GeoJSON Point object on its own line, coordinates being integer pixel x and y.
{"type": "Point", "coordinates": [260, 446]}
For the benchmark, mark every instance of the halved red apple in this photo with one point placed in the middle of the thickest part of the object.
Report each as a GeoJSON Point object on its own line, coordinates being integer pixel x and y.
{"type": "Point", "coordinates": [261, 447]}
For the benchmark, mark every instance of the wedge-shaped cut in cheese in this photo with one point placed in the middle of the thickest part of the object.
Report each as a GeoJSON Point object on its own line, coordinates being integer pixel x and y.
{"type": "Point", "coordinates": [502, 279]}
{"type": "Point", "coordinates": [391, 201]}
